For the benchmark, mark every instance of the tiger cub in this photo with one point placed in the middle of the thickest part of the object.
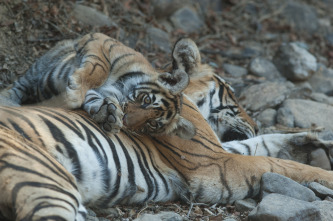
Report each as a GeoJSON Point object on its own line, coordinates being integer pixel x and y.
{"type": "Point", "coordinates": [33, 185]}
{"type": "Point", "coordinates": [113, 83]}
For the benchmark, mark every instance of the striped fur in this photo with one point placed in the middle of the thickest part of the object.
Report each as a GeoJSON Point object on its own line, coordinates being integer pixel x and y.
{"type": "Point", "coordinates": [104, 76]}
{"type": "Point", "coordinates": [214, 97]}
{"type": "Point", "coordinates": [33, 185]}
{"type": "Point", "coordinates": [128, 169]}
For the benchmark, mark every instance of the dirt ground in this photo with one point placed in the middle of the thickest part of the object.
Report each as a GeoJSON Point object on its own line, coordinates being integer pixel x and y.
{"type": "Point", "coordinates": [31, 27]}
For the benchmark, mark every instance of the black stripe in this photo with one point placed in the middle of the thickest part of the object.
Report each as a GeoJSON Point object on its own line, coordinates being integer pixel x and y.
{"type": "Point", "coordinates": [247, 147]}
{"type": "Point", "coordinates": [103, 161]}
{"type": "Point", "coordinates": [73, 156]}
{"type": "Point", "coordinates": [117, 60]}
{"type": "Point", "coordinates": [19, 129]}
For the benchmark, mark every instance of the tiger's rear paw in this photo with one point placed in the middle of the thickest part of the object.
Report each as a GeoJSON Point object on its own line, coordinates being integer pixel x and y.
{"type": "Point", "coordinates": [109, 115]}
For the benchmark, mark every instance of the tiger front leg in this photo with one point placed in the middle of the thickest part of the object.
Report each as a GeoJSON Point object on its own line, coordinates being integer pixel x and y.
{"type": "Point", "coordinates": [106, 111]}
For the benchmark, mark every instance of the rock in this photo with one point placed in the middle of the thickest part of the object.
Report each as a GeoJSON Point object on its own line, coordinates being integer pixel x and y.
{"type": "Point", "coordinates": [305, 114]}
{"type": "Point", "coordinates": [91, 16]}
{"type": "Point", "coordinates": [109, 212]}
{"type": "Point", "coordinates": [245, 205]}
{"type": "Point", "coordinates": [265, 95]}
{"type": "Point", "coordinates": [329, 199]}
{"type": "Point", "coordinates": [262, 67]}
{"type": "Point", "coordinates": [326, 210]}
{"type": "Point", "coordinates": [301, 16]}
{"type": "Point", "coordinates": [321, 98]}
{"type": "Point", "coordinates": [294, 62]}
{"type": "Point", "coordinates": [283, 208]}
{"type": "Point", "coordinates": [234, 70]}
{"type": "Point", "coordinates": [267, 117]}
{"type": "Point", "coordinates": [159, 38]}
{"type": "Point", "coordinates": [162, 216]}
{"type": "Point", "coordinates": [329, 38]}
{"type": "Point", "coordinates": [276, 183]}
{"type": "Point", "coordinates": [285, 117]}
{"type": "Point", "coordinates": [302, 90]}
{"type": "Point", "coordinates": [320, 190]}
{"type": "Point", "coordinates": [245, 53]}
{"type": "Point", "coordinates": [187, 20]}
{"type": "Point", "coordinates": [321, 83]}
{"type": "Point", "coordinates": [165, 8]}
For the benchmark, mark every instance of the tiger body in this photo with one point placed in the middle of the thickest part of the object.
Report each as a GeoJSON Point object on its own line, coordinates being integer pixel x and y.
{"type": "Point", "coordinates": [34, 185]}
{"type": "Point", "coordinates": [113, 83]}
{"type": "Point", "coordinates": [129, 169]}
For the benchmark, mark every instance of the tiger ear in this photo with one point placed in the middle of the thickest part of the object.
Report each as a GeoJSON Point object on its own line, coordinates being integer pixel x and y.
{"type": "Point", "coordinates": [175, 82]}
{"type": "Point", "coordinates": [185, 129]}
{"type": "Point", "coordinates": [186, 55]}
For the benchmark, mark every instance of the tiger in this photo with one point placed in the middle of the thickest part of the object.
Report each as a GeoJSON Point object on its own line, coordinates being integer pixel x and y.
{"type": "Point", "coordinates": [235, 129]}
{"type": "Point", "coordinates": [113, 83]}
{"type": "Point", "coordinates": [33, 185]}
{"type": "Point", "coordinates": [128, 168]}
{"type": "Point", "coordinates": [216, 101]}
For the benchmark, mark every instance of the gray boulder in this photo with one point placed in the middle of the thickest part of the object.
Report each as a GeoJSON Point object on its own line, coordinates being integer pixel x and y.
{"type": "Point", "coordinates": [234, 70]}
{"type": "Point", "coordinates": [91, 16]}
{"type": "Point", "coordinates": [276, 183]}
{"type": "Point", "coordinates": [245, 205]}
{"type": "Point", "coordinates": [320, 190]}
{"type": "Point", "coordinates": [159, 38]}
{"type": "Point", "coordinates": [267, 118]}
{"type": "Point", "coordinates": [265, 95]}
{"type": "Point", "coordinates": [295, 62]}
{"type": "Point", "coordinates": [326, 210]}
{"type": "Point", "coordinates": [187, 20]}
{"type": "Point", "coordinates": [305, 114]}
{"type": "Point", "coordinates": [262, 67]}
{"type": "Point", "coordinates": [283, 208]}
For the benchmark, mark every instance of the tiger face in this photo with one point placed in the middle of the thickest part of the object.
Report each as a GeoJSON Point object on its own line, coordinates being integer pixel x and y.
{"type": "Point", "coordinates": [214, 97]}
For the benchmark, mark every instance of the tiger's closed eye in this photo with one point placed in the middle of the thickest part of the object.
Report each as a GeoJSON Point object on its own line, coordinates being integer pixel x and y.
{"type": "Point", "coordinates": [153, 123]}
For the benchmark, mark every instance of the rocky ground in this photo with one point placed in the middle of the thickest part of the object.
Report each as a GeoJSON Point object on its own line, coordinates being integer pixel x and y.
{"type": "Point", "coordinates": [277, 54]}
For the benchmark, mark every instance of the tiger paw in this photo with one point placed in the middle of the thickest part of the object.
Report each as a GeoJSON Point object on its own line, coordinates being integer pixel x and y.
{"type": "Point", "coordinates": [74, 93]}
{"type": "Point", "coordinates": [108, 115]}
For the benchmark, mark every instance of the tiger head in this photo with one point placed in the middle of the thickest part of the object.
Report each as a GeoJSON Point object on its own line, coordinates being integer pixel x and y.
{"type": "Point", "coordinates": [154, 106]}
{"type": "Point", "coordinates": [214, 97]}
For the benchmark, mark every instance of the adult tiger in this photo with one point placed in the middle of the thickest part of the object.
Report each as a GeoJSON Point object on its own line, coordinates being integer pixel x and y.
{"type": "Point", "coordinates": [219, 106]}
{"type": "Point", "coordinates": [33, 185]}
{"type": "Point", "coordinates": [126, 168]}
{"type": "Point", "coordinates": [107, 79]}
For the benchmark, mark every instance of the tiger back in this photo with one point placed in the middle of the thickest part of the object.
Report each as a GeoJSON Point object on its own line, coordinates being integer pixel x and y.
{"type": "Point", "coordinates": [34, 185]}
{"type": "Point", "coordinates": [113, 83]}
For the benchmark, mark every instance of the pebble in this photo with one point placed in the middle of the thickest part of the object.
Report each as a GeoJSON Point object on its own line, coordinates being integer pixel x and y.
{"type": "Point", "coordinates": [162, 216]}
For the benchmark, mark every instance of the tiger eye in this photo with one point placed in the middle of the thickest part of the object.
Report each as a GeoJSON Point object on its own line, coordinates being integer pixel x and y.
{"type": "Point", "coordinates": [147, 100]}
{"type": "Point", "coordinates": [153, 123]}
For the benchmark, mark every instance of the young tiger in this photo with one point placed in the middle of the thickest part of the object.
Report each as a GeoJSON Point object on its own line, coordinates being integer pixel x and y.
{"type": "Point", "coordinates": [114, 84]}
{"type": "Point", "coordinates": [33, 185]}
